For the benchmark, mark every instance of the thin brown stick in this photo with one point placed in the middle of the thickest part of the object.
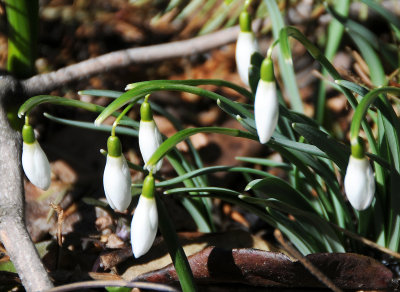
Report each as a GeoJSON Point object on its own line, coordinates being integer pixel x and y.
{"type": "Point", "coordinates": [107, 283]}
{"type": "Point", "coordinates": [46, 82]}
{"type": "Point", "coordinates": [306, 263]}
{"type": "Point", "coordinates": [367, 242]}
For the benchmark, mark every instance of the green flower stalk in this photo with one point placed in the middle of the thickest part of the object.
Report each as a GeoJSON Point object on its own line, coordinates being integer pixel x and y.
{"type": "Point", "coordinates": [34, 161]}
{"type": "Point", "coordinates": [149, 135]}
{"type": "Point", "coordinates": [145, 220]}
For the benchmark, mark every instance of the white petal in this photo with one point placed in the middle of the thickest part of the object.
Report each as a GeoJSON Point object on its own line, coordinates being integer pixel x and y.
{"type": "Point", "coordinates": [246, 46]}
{"type": "Point", "coordinates": [359, 183]}
{"type": "Point", "coordinates": [144, 226]}
{"type": "Point", "coordinates": [266, 110]}
{"type": "Point", "coordinates": [36, 165]}
{"type": "Point", "coordinates": [149, 140]}
{"type": "Point", "coordinates": [117, 183]}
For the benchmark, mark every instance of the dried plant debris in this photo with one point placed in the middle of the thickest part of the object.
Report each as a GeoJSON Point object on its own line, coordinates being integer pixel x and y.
{"type": "Point", "coordinates": [265, 268]}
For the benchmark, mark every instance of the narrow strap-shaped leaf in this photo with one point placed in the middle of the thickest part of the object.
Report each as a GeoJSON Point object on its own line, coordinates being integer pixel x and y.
{"type": "Point", "coordinates": [265, 162]}
{"type": "Point", "coordinates": [91, 126]}
{"type": "Point", "coordinates": [101, 92]}
{"type": "Point", "coordinates": [284, 57]}
{"type": "Point", "coordinates": [321, 227]}
{"type": "Point", "coordinates": [388, 15]}
{"type": "Point", "coordinates": [168, 144]}
{"type": "Point", "coordinates": [27, 106]}
{"type": "Point", "coordinates": [306, 148]}
{"type": "Point", "coordinates": [196, 82]}
{"type": "Point", "coordinates": [388, 51]}
{"type": "Point", "coordinates": [335, 33]}
{"type": "Point", "coordinates": [203, 189]}
{"type": "Point", "coordinates": [274, 187]}
{"type": "Point", "coordinates": [337, 152]}
{"type": "Point", "coordinates": [175, 250]}
{"type": "Point", "coordinates": [139, 91]}
{"type": "Point", "coordinates": [208, 170]}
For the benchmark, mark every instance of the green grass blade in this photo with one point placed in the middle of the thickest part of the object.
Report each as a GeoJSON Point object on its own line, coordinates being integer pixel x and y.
{"type": "Point", "coordinates": [274, 187]}
{"type": "Point", "coordinates": [168, 144]}
{"type": "Point", "coordinates": [265, 162]}
{"type": "Point", "coordinates": [335, 33]}
{"type": "Point", "coordinates": [139, 91]}
{"type": "Point", "coordinates": [284, 57]}
{"type": "Point", "coordinates": [175, 250]}
{"type": "Point", "coordinates": [337, 152]}
{"type": "Point", "coordinates": [388, 15]}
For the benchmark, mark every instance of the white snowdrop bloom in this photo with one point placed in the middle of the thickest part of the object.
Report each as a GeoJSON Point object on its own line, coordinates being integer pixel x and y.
{"type": "Point", "coordinates": [117, 183]}
{"type": "Point", "coordinates": [145, 220]}
{"type": "Point", "coordinates": [149, 135]}
{"type": "Point", "coordinates": [266, 110]}
{"type": "Point", "coordinates": [34, 161]}
{"type": "Point", "coordinates": [117, 178]}
{"type": "Point", "coordinates": [246, 46]}
{"type": "Point", "coordinates": [36, 165]}
{"type": "Point", "coordinates": [359, 183]}
{"type": "Point", "coordinates": [144, 226]}
{"type": "Point", "coordinates": [266, 105]}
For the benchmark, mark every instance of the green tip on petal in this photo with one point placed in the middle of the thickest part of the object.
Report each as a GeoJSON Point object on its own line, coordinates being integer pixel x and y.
{"type": "Point", "coordinates": [357, 148]}
{"type": "Point", "coordinates": [28, 134]}
{"type": "Point", "coordinates": [148, 186]}
{"type": "Point", "coordinates": [245, 22]}
{"type": "Point", "coordinates": [114, 146]}
{"type": "Point", "coordinates": [267, 70]}
{"type": "Point", "coordinates": [146, 114]}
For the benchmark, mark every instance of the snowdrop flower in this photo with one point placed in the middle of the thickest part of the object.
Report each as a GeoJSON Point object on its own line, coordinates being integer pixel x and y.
{"type": "Point", "coordinates": [149, 135]}
{"type": "Point", "coordinates": [145, 220]}
{"type": "Point", "coordinates": [246, 46]}
{"type": "Point", "coordinates": [34, 161]}
{"type": "Point", "coordinates": [266, 106]}
{"type": "Point", "coordinates": [359, 182]}
{"type": "Point", "coordinates": [116, 178]}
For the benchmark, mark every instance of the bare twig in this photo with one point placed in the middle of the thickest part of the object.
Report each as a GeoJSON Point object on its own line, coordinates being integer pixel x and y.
{"type": "Point", "coordinates": [13, 232]}
{"type": "Point", "coordinates": [119, 59]}
{"type": "Point", "coordinates": [367, 242]}
{"type": "Point", "coordinates": [306, 263]}
{"type": "Point", "coordinates": [106, 283]}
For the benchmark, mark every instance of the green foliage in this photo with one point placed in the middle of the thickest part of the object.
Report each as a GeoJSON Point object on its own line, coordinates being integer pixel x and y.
{"type": "Point", "coordinates": [308, 204]}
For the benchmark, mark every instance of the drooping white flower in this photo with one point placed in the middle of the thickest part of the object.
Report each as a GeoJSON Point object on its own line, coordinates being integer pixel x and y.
{"type": "Point", "coordinates": [266, 105]}
{"type": "Point", "coordinates": [145, 220]}
{"type": "Point", "coordinates": [116, 178]}
{"type": "Point", "coordinates": [359, 183]}
{"type": "Point", "coordinates": [246, 46]}
{"type": "Point", "coordinates": [149, 136]}
{"type": "Point", "coordinates": [34, 161]}
{"type": "Point", "coordinates": [36, 165]}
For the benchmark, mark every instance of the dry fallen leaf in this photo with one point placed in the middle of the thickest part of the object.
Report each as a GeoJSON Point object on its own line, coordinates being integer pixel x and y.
{"type": "Point", "coordinates": [264, 268]}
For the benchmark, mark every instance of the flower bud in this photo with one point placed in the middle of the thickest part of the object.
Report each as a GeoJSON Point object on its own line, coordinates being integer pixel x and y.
{"type": "Point", "coordinates": [359, 183]}
{"type": "Point", "coordinates": [117, 178]}
{"type": "Point", "coordinates": [246, 46]}
{"type": "Point", "coordinates": [145, 220]}
{"type": "Point", "coordinates": [34, 161]}
{"type": "Point", "coordinates": [266, 106]}
{"type": "Point", "coordinates": [149, 136]}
